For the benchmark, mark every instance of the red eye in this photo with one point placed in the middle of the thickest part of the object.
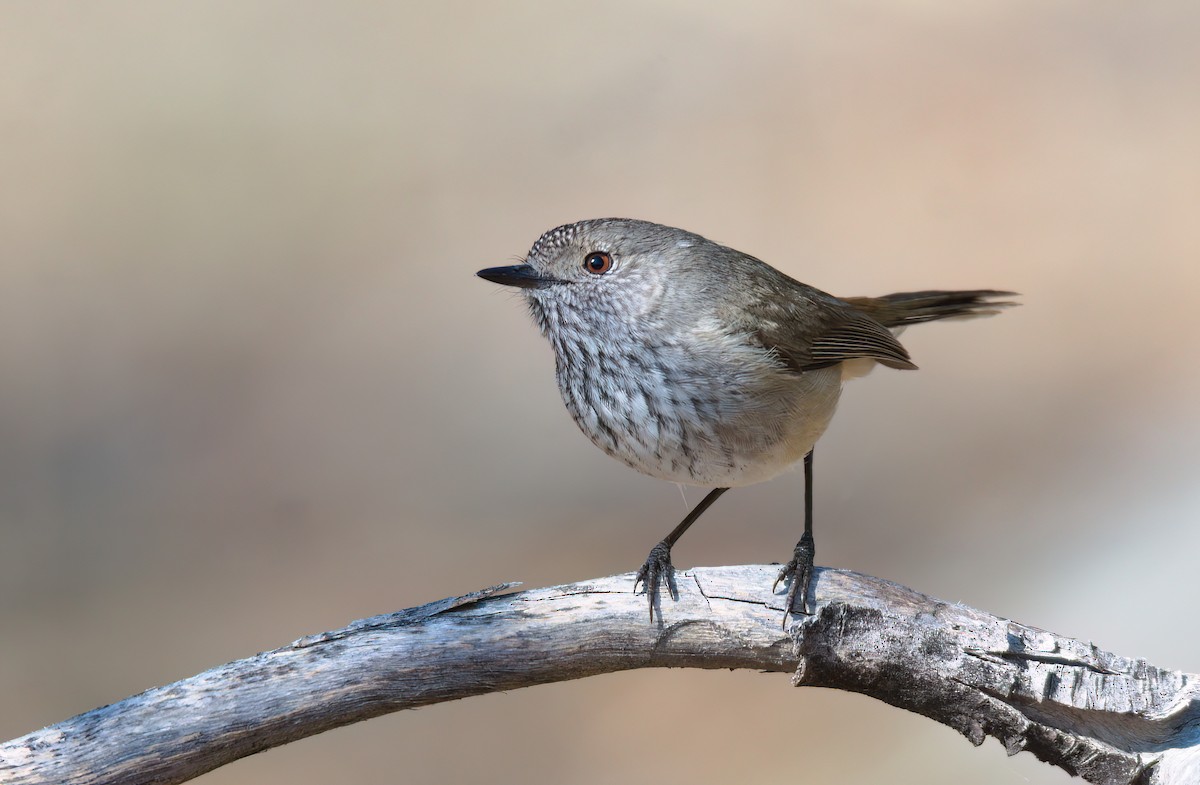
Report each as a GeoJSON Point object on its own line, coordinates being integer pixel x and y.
{"type": "Point", "coordinates": [597, 262]}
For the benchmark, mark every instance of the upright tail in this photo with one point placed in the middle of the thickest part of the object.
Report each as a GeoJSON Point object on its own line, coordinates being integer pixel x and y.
{"type": "Point", "coordinates": [905, 308]}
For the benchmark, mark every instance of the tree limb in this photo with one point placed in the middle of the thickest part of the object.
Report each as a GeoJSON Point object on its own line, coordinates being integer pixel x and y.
{"type": "Point", "coordinates": [1109, 719]}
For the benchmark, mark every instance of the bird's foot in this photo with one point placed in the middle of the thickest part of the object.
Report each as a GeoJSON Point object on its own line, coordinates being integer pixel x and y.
{"type": "Point", "coordinates": [658, 568]}
{"type": "Point", "coordinates": [800, 571]}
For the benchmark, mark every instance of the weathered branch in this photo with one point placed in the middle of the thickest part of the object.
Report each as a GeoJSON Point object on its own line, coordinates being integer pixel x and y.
{"type": "Point", "coordinates": [1106, 718]}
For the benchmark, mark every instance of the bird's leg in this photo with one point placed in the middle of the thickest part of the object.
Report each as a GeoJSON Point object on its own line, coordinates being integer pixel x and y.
{"type": "Point", "coordinates": [658, 564]}
{"type": "Point", "coordinates": [800, 568]}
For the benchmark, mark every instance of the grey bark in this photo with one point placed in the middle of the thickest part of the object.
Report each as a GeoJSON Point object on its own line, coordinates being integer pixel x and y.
{"type": "Point", "coordinates": [1108, 719]}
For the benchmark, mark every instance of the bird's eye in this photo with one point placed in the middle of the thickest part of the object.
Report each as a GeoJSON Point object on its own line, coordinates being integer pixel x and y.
{"type": "Point", "coordinates": [597, 262]}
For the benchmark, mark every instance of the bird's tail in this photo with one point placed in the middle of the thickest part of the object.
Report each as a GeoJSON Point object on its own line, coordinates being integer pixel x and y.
{"type": "Point", "coordinates": [905, 308]}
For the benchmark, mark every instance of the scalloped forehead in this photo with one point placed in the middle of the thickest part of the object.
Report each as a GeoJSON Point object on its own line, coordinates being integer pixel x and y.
{"type": "Point", "coordinates": [555, 239]}
{"type": "Point", "coordinates": [630, 232]}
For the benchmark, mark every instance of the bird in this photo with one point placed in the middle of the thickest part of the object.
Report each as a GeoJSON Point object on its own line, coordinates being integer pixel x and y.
{"type": "Point", "coordinates": [695, 363]}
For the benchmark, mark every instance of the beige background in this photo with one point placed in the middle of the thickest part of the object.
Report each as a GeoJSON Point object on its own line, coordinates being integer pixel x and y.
{"type": "Point", "coordinates": [251, 388]}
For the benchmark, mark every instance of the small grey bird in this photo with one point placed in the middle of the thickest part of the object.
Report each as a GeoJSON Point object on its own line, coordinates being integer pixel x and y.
{"type": "Point", "coordinates": [699, 364]}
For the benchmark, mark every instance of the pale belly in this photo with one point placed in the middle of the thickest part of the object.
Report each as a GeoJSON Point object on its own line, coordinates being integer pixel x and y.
{"type": "Point", "coordinates": [736, 430]}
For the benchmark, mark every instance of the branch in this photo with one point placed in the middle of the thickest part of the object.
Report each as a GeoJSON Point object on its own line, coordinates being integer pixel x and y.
{"type": "Point", "coordinates": [1106, 718]}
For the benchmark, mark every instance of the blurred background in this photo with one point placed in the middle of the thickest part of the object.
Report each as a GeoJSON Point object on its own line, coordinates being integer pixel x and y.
{"type": "Point", "coordinates": [252, 389]}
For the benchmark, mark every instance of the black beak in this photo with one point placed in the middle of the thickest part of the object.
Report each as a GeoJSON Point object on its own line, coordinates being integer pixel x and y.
{"type": "Point", "coordinates": [521, 275]}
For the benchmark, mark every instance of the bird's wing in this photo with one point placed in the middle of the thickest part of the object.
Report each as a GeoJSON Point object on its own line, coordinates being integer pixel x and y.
{"type": "Point", "coordinates": [819, 330]}
{"type": "Point", "coordinates": [855, 335]}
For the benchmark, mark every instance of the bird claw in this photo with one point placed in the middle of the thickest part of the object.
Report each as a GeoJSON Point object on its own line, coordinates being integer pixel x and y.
{"type": "Point", "coordinates": [800, 571]}
{"type": "Point", "coordinates": [657, 569]}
